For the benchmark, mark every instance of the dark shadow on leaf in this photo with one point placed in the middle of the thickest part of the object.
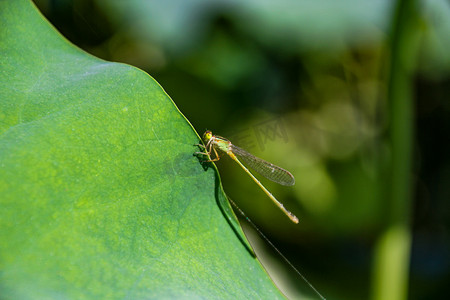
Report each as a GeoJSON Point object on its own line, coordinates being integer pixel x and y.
{"type": "Point", "coordinates": [223, 203]}
{"type": "Point", "coordinates": [202, 159]}
{"type": "Point", "coordinates": [229, 215]}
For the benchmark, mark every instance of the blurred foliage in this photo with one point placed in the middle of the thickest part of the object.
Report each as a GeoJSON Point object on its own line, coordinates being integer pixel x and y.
{"type": "Point", "coordinates": [302, 84]}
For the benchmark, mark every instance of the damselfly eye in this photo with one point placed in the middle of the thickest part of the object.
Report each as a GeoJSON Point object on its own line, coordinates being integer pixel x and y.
{"type": "Point", "coordinates": [207, 135]}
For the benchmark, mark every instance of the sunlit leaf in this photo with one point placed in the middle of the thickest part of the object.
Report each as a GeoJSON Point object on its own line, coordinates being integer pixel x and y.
{"type": "Point", "coordinates": [101, 196]}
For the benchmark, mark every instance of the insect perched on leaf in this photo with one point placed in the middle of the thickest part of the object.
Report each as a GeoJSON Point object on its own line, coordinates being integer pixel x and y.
{"type": "Point", "coordinates": [272, 172]}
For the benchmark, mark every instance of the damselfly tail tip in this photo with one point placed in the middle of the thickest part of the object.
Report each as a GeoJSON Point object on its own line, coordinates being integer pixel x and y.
{"type": "Point", "coordinates": [293, 218]}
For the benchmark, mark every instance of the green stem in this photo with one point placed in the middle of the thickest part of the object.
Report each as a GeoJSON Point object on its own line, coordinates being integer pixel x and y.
{"type": "Point", "coordinates": [392, 251]}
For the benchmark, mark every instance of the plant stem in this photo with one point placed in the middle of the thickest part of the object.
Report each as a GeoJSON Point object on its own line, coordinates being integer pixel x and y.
{"type": "Point", "coordinates": [392, 251]}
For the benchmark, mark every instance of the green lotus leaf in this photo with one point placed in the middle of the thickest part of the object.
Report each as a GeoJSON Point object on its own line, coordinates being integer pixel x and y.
{"type": "Point", "coordinates": [101, 195]}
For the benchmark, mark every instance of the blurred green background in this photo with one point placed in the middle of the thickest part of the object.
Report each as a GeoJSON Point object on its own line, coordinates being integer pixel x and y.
{"type": "Point", "coordinates": [323, 89]}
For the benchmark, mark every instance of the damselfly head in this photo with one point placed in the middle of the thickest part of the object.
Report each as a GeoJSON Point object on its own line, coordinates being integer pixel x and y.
{"type": "Point", "coordinates": [207, 135]}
